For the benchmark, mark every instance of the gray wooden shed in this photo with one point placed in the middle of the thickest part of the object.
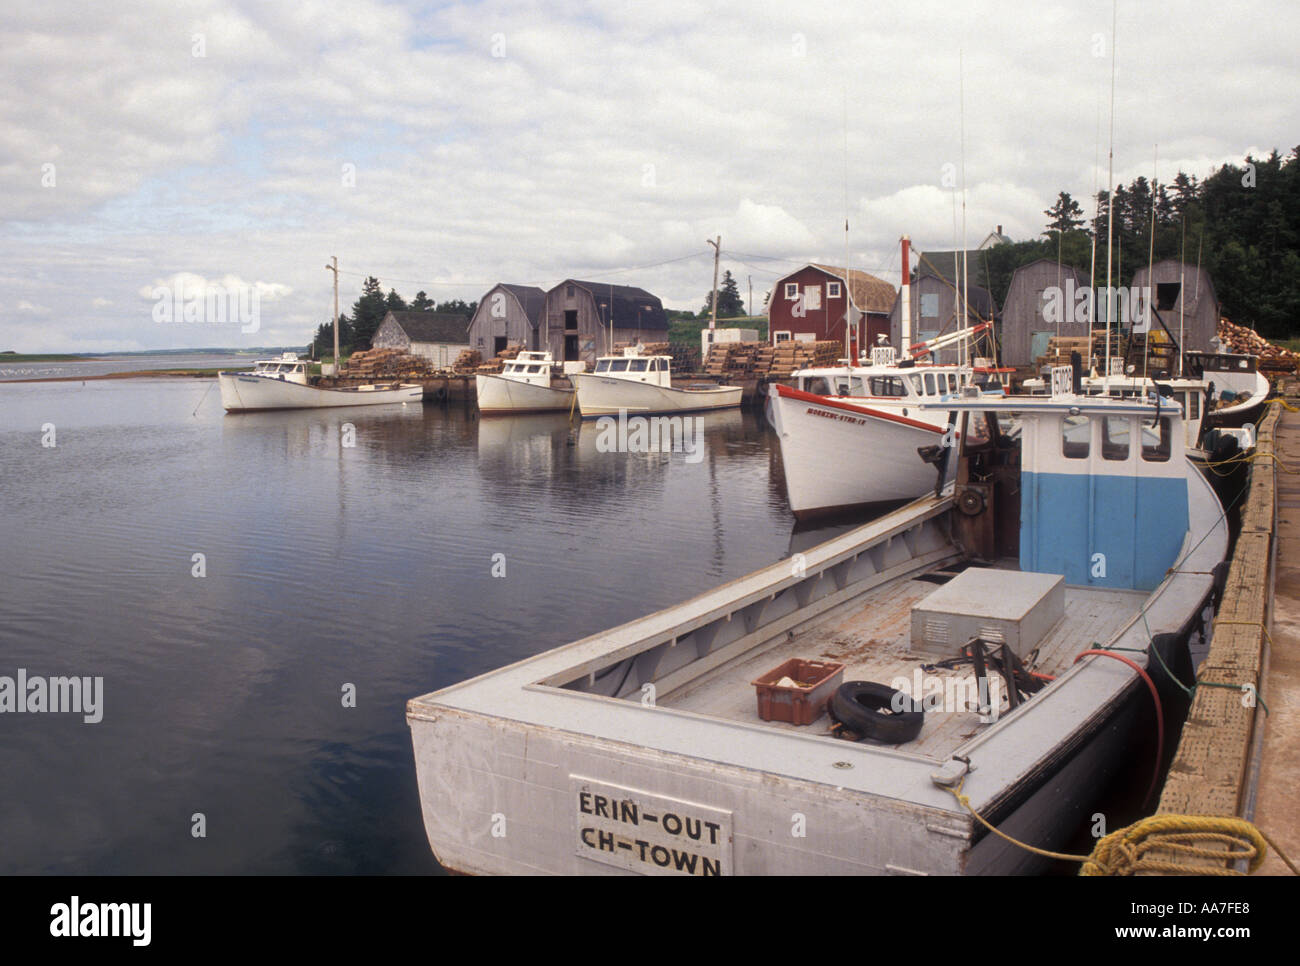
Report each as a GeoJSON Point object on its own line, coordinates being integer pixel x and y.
{"type": "Point", "coordinates": [1177, 288]}
{"type": "Point", "coordinates": [576, 319]}
{"type": "Point", "coordinates": [505, 314]}
{"type": "Point", "coordinates": [1029, 313]}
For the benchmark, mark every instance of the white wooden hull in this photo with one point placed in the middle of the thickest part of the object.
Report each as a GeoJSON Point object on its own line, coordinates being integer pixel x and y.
{"type": "Point", "coordinates": [244, 393]}
{"type": "Point", "coordinates": [510, 763]}
{"type": "Point", "coordinates": [606, 396]}
{"type": "Point", "coordinates": [497, 394]}
{"type": "Point", "coordinates": [840, 454]}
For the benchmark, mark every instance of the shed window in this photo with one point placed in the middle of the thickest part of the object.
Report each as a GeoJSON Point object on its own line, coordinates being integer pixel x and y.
{"type": "Point", "coordinates": [930, 305]}
{"type": "Point", "coordinates": [1076, 434]}
{"type": "Point", "coordinates": [792, 290]}
{"type": "Point", "coordinates": [1115, 432]}
{"type": "Point", "coordinates": [1155, 442]}
{"type": "Point", "coordinates": [782, 336]}
{"type": "Point", "coordinates": [569, 291]}
{"type": "Point", "coordinates": [832, 290]}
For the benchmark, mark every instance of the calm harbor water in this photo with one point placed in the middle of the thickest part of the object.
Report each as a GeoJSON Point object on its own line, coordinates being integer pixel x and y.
{"type": "Point", "coordinates": [106, 365]}
{"type": "Point", "coordinates": [325, 566]}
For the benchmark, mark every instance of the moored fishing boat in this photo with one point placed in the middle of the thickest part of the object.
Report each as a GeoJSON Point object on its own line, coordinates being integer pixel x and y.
{"type": "Point", "coordinates": [646, 748]}
{"type": "Point", "coordinates": [643, 385]}
{"type": "Point", "coordinates": [849, 434]}
{"type": "Point", "coordinates": [523, 386]}
{"type": "Point", "coordinates": [284, 384]}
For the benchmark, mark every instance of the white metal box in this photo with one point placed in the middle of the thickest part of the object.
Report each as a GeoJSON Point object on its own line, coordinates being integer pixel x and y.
{"type": "Point", "coordinates": [1000, 606]}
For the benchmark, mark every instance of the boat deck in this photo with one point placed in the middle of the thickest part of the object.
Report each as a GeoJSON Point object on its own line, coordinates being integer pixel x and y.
{"type": "Point", "coordinates": [874, 642]}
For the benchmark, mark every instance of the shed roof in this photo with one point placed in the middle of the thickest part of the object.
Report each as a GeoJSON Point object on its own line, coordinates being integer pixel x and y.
{"type": "Point", "coordinates": [869, 294]}
{"type": "Point", "coordinates": [634, 308]}
{"type": "Point", "coordinates": [432, 326]}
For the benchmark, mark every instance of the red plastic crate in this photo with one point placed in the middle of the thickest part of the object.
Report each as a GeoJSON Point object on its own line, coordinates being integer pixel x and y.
{"type": "Point", "coordinates": [803, 703]}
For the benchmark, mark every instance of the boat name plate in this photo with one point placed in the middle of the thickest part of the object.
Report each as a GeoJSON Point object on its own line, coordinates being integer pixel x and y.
{"type": "Point", "coordinates": [647, 833]}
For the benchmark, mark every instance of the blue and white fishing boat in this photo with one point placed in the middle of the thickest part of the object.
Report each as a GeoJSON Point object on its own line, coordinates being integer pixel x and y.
{"type": "Point", "coordinates": [952, 644]}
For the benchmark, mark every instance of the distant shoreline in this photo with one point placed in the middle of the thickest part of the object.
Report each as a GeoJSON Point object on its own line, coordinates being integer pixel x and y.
{"type": "Point", "coordinates": [136, 374]}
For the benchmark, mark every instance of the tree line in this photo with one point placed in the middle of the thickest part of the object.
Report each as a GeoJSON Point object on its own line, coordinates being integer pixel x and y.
{"type": "Point", "coordinates": [356, 330]}
{"type": "Point", "coordinates": [1242, 224]}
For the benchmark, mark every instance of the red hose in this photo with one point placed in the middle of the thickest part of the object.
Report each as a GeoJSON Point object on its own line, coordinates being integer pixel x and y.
{"type": "Point", "coordinates": [1160, 715]}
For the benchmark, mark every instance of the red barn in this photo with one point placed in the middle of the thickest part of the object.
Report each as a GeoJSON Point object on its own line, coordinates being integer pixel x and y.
{"type": "Point", "coordinates": [811, 305]}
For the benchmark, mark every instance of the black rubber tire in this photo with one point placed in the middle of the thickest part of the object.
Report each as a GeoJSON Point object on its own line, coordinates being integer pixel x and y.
{"type": "Point", "coordinates": [864, 707]}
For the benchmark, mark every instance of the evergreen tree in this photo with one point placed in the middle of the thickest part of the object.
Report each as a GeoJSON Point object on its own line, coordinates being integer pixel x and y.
{"type": "Point", "coordinates": [394, 302]}
{"type": "Point", "coordinates": [422, 303]}
{"type": "Point", "coordinates": [368, 312]}
{"type": "Point", "coordinates": [730, 304]}
{"type": "Point", "coordinates": [1065, 215]}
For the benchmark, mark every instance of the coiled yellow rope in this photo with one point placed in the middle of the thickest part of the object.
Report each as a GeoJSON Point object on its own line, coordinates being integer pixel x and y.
{"type": "Point", "coordinates": [1125, 851]}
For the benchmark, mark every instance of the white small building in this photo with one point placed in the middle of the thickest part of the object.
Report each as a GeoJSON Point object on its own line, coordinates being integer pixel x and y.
{"type": "Point", "coordinates": [721, 335]}
{"type": "Point", "coordinates": [437, 336]}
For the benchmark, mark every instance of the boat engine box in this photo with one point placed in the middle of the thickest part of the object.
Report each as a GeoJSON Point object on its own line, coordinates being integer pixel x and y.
{"type": "Point", "coordinates": [1001, 606]}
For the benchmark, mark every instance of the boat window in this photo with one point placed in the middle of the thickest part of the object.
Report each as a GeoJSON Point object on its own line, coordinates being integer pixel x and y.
{"type": "Point", "coordinates": [929, 383]}
{"type": "Point", "coordinates": [1076, 433]}
{"type": "Point", "coordinates": [856, 388]}
{"type": "Point", "coordinates": [1115, 433]}
{"type": "Point", "coordinates": [637, 365]}
{"type": "Point", "coordinates": [841, 386]}
{"type": "Point", "coordinates": [819, 386]}
{"type": "Point", "coordinates": [886, 386]}
{"type": "Point", "coordinates": [535, 369]}
{"type": "Point", "coordinates": [1194, 405]}
{"type": "Point", "coordinates": [602, 365]}
{"type": "Point", "coordinates": [1155, 441]}
{"type": "Point", "coordinates": [618, 365]}
{"type": "Point", "coordinates": [952, 383]}
{"type": "Point", "coordinates": [916, 383]}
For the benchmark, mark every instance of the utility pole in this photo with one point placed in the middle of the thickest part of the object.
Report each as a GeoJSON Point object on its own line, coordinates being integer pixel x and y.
{"type": "Point", "coordinates": [713, 315]}
{"type": "Point", "coordinates": [751, 295]}
{"type": "Point", "coordinates": [334, 267]}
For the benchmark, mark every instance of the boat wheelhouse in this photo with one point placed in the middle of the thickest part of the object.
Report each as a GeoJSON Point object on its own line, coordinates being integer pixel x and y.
{"type": "Point", "coordinates": [988, 613]}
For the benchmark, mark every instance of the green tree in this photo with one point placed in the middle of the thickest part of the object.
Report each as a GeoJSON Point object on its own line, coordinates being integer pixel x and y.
{"type": "Point", "coordinates": [1065, 215]}
{"type": "Point", "coordinates": [368, 312]}
{"type": "Point", "coordinates": [422, 303]}
{"type": "Point", "coordinates": [730, 304]}
{"type": "Point", "coordinates": [394, 302]}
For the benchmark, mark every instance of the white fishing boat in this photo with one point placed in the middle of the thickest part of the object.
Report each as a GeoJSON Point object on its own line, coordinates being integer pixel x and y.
{"type": "Point", "coordinates": [523, 386]}
{"type": "Point", "coordinates": [284, 384]}
{"type": "Point", "coordinates": [676, 743]}
{"type": "Point", "coordinates": [849, 434]}
{"type": "Point", "coordinates": [1217, 391]}
{"type": "Point", "coordinates": [643, 385]}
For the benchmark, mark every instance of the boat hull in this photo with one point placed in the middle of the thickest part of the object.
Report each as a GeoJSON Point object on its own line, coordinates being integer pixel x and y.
{"type": "Point", "coordinates": [244, 393]}
{"type": "Point", "coordinates": [518, 773]}
{"type": "Point", "coordinates": [497, 394]}
{"type": "Point", "coordinates": [605, 396]}
{"type": "Point", "coordinates": [839, 456]}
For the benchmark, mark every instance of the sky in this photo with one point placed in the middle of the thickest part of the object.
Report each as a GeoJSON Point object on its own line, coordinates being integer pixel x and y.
{"type": "Point", "coordinates": [177, 174]}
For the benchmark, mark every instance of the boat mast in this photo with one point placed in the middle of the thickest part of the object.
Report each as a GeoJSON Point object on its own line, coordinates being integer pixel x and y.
{"type": "Point", "coordinates": [963, 355]}
{"type": "Point", "coordinates": [1110, 200]}
{"type": "Point", "coordinates": [905, 299]}
{"type": "Point", "coordinates": [1151, 262]}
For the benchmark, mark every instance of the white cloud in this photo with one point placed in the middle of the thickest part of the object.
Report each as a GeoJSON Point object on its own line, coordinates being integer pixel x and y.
{"type": "Point", "coordinates": [607, 136]}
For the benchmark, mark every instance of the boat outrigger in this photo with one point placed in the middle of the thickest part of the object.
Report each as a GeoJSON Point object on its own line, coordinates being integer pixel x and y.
{"type": "Point", "coordinates": [988, 614]}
